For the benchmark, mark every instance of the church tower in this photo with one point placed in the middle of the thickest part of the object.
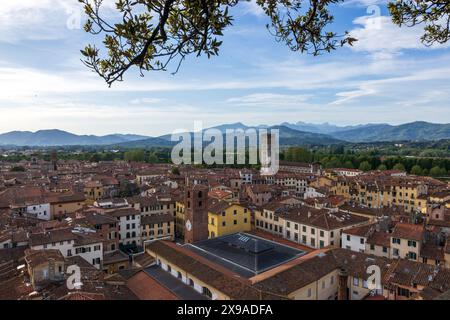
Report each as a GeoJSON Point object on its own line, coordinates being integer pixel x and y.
{"type": "Point", "coordinates": [54, 158]}
{"type": "Point", "coordinates": [196, 213]}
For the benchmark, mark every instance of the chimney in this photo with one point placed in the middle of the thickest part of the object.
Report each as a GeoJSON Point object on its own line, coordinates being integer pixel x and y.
{"type": "Point", "coordinates": [342, 284]}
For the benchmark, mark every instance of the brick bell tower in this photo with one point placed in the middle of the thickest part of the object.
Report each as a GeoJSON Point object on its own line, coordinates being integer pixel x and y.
{"type": "Point", "coordinates": [196, 213]}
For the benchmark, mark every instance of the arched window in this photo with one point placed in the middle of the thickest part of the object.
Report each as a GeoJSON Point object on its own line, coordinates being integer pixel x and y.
{"type": "Point", "coordinates": [207, 292]}
{"type": "Point", "coordinates": [200, 194]}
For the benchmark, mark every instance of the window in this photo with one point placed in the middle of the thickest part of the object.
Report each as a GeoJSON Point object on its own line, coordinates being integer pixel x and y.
{"type": "Point", "coordinates": [412, 243]}
{"type": "Point", "coordinates": [403, 292]}
{"type": "Point", "coordinates": [69, 252]}
{"type": "Point", "coordinates": [245, 220]}
{"type": "Point", "coordinates": [179, 276]}
{"type": "Point", "coordinates": [169, 268]}
{"type": "Point", "coordinates": [372, 247]}
{"type": "Point", "coordinates": [385, 249]}
{"type": "Point", "coordinates": [395, 252]}
{"type": "Point", "coordinates": [304, 228]}
{"type": "Point", "coordinates": [235, 212]}
{"type": "Point", "coordinates": [191, 282]}
{"type": "Point", "coordinates": [321, 244]}
{"type": "Point", "coordinates": [412, 255]}
{"type": "Point", "coordinates": [348, 238]}
{"type": "Point", "coordinates": [223, 223]}
{"type": "Point", "coordinates": [223, 213]}
{"type": "Point", "coordinates": [309, 292]}
{"type": "Point", "coordinates": [322, 233]}
{"type": "Point", "coordinates": [361, 240]}
{"type": "Point", "coordinates": [207, 292]}
{"type": "Point", "coordinates": [235, 222]}
{"type": "Point", "coordinates": [396, 240]}
{"type": "Point", "coordinates": [356, 282]}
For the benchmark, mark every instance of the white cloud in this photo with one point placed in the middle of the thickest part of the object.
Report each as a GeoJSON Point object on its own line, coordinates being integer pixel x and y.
{"type": "Point", "coordinates": [41, 19]}
{"type": "Point", "coordinates": [379, 36]}
{"type": "Point", "coordinates": [268, 100]}
{"type": "Point", "coordinates": [142, 101]}
{"type": "Point", "coordinates": [251, 7]}
{"type": "Point", "coordinates": [346, 96]}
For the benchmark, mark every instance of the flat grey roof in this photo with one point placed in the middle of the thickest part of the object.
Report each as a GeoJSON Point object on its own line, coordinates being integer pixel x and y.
{"type": "Point", "coordinates": [179, 288]}
{"type": "Point", "coordinates": [245, 254]}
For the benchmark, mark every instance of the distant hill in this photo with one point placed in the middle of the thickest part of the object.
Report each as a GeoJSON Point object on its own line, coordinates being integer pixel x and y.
{"type": "Point", "coordinates": [288, 137]}
{"type": "Point", "coordinates": [324, 128]}
{"type": "Point", "coordinates": [43, 138]}
{"type": "Point", "coordinates": [299, 133]}
{"type": "Point", "coordinates": [414, 131]}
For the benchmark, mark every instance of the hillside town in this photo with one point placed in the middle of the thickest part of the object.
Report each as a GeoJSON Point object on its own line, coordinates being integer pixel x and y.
{"type": "Point", "coordinates": [156, 231]}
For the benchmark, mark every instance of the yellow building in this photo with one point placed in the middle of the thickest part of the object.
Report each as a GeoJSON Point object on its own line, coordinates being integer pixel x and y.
{"type": "Point", "coordinates": [93, 191]}
{"type": "Point", "coordinates": [66, 203]}
{"type": "Point", "coordinates": [157, 227]}
{"type": "Point", "coordinates": [406, 241]}
{"type": "Point", "coordinates": [225, 218]}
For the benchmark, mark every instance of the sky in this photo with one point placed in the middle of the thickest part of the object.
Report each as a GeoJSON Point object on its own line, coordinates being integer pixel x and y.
{"type": "Point", "coordinates": [388, 76]}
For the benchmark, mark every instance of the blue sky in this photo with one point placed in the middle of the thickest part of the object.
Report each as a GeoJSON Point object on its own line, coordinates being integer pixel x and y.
{"type": "Point", "coordinates": [388, 76]}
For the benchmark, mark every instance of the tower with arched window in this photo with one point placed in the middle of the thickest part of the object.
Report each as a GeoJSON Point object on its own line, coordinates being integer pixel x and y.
{"type": "Point", "coordinates": [196, 213]}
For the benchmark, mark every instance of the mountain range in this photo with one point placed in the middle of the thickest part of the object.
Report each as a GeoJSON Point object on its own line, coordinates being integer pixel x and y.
{"type": "Point", "coordinates": [56, 137]}
{"type": "Point", "coordinates": [299, 133]}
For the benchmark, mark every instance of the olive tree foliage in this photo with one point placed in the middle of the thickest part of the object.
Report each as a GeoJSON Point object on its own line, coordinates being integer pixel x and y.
{"type": "Point", "coordinates": [150, 34]}
{"type": "Point", "coordinates": [434, 15]}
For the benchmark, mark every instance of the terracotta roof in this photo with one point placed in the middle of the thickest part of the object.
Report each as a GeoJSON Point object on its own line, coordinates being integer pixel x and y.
{"type": "Point", "coordinates": [123, 212]}
{"type": "Point", "coordinates": [408, 231]}
{"type": "Point", "coordinates": [360, 231]}
{"type": "Point", "coordinates": [320, 218]}
{"type": "Point", "coordinates": [35, 258]}
{"type": "Point", "coordinates": [380, 238]}
{"type": "Point", "coordinates": [51, 236]}
{"type": "Point", "coordinates": [147, 288]}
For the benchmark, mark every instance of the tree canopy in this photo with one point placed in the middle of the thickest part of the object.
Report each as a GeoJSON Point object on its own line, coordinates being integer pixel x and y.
{"type": "Point", "coordinates": [150, 34]}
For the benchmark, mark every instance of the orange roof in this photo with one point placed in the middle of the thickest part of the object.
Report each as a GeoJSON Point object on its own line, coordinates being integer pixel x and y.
{"type": "Point", "coordinates": [147, 288]}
